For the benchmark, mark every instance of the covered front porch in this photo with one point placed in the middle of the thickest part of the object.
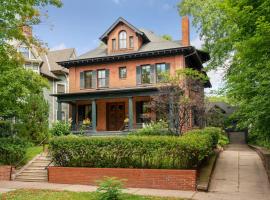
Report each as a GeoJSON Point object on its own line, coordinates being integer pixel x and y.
{"type": "Point", "coordinates": [112, 111]}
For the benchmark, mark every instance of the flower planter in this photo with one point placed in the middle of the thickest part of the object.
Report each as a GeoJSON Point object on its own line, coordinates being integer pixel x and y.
{"type": "Point", "coordinates": [134, 178]}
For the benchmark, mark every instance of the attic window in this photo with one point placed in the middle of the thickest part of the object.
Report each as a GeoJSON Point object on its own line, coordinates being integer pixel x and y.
{"type": "Point", "coordinates": [113, 44]}
{"type": "Point", "coordinates": [122, 40]}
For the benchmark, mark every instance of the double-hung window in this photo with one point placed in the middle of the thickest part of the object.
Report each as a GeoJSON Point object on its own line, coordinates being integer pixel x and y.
{"type": "Point", "coordinates": [146, 74]}
{"type": "Point", "coordinates": [161, 71]}
{"type": "Point", "coordinates": [114, 44]}
{"type": "Point", "coordinates": [122, 40]}
{"type": "Point", "coordinates": [101, 77]}
{"type": "Point", "coordinates": [122, 72]}
{"type": "Point", "coordinates": [131, 42]}
{"type": "Point", "coordinates": [88, 79]}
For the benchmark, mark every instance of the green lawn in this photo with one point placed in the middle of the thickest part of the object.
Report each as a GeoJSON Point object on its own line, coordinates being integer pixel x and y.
{"type": "Point", "coordinates": [31, 152]}
{"type": "Point", "coordinates": [65, 195]}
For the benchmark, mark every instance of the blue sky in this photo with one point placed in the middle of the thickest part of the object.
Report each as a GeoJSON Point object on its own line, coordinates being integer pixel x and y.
{"type": "Point", "coordinates": [79, 23]}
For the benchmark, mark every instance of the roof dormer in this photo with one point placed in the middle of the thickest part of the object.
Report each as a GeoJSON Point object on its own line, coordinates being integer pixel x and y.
{"type": "Point", "coordinates": [123, 37]}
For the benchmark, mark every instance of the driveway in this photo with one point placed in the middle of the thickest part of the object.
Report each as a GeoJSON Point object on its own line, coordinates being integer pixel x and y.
{"type": "Point", "coordinates": [239, 175]}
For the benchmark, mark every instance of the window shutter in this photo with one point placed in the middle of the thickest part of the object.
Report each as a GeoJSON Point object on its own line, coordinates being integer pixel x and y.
{"type": "Point", "coordinates": [94, 79]}
{"type": "Point", "coordinates": [168, 68]}
{"type": "Point", "coordinates": [138, 75]}
{"type": "Point", "coordinates": [153, 74]}
{"type": "Point", "coordinates": [81, 80]}
{"type": "Point", "coordinates": [107, 77]}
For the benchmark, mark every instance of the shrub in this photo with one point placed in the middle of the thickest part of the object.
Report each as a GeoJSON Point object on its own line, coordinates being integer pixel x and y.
{"type": "Point", "coordinates": [156, 152]}
{"type": "Point", "coordinates": [33, 119]}
{"type": "Point", "coordinates": [12, 150]}
{"type": "Point", "coordinates": [5, 128]}
{"type": "Point", "coordinates": [60, 128]}
{"type": "Point", "coordinates": [217, 135]}
{"type": "Point", "coordinates": [154, 128]}
{"type": "Point", "coordinates": [110, 189]}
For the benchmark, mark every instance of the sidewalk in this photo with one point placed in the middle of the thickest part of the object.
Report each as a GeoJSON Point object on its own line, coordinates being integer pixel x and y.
{"type": "Point", "coordinates": [6, 186]}
{"type": "Point", "coordinates": [239, 175]}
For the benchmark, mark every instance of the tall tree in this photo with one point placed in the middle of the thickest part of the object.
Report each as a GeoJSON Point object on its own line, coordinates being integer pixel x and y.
{"type": "Point", "coordinates": [237, 35]}
{"type": "Point", "coordinates": [16, 84]}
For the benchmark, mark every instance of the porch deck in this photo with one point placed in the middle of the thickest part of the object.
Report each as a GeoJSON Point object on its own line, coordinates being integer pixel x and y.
{"type": "Point", "coordinates": [103, 133]}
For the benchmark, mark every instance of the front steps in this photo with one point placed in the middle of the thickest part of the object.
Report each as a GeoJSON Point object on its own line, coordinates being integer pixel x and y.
{"type": "Point", "coordinates": [35, 170]}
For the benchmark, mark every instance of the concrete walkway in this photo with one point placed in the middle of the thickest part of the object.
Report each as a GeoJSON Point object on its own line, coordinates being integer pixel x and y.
{"type": "Point", "coordinates": [239, 175]}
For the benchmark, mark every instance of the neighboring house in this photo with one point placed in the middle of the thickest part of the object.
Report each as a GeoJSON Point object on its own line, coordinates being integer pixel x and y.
{"type": "Point", "coordinates": [218, 113]}
{"type": "Point", "coordinates": [46, 65]}
{"type": "Point", "coordinates": [116, 80]}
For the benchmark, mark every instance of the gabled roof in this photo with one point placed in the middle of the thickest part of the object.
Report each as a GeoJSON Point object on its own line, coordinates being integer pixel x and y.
{"type": "Point", "coordinates": [104, 37]}
{"type": "Point", "coordinates": [50, 66]}
{"type": "Point", "coordinates": [225, 107]}
{"type": "Point", "coordinates": [155, 43]}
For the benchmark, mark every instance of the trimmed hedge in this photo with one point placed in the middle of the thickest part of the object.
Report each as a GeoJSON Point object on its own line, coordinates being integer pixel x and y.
{"type": "Point", "coordinates": [12, 150]}
{"type": "Point", "coordinates": [153, 152]}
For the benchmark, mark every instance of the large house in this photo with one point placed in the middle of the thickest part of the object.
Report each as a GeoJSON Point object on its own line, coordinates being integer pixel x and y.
{"type": "Point", "coordinates": [116, 80]}
{"type": "Point", "coordinates": [46, 65]}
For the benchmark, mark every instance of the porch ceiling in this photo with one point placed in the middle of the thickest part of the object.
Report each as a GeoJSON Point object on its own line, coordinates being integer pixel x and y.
{"type": "Point", "coordinates": [107, 94]}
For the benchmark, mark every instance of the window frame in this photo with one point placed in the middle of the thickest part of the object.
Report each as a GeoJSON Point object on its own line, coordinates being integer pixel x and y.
{"type": "Point", "coordinates": [113, 44]}
{"type": "Point", "coordinates": [142, 66]}
{"type": "Point", "coordinates": [131, 43]}
{"type": "Point", "coordinates": [84, 74]}
{"type": "Point", "coordinates": [101, 78]}
{"type": "Point", "coordinates": [65, 88]}
{"type": "Point", "coordinates": [124, 39]}
{"type": "Point", "coordinates": [157, 73]}
{"type": "Point", "coordinates": [121, 68]}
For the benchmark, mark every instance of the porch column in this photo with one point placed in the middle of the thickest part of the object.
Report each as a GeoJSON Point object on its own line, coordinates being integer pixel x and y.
{"type": "Point", "coordinates": [59, 111]}
{"type": "Point", "coordinates": [74, 114]}
{"type": "Point", "coordinates": [130, 112]}
{"type": "Point", "coordinates": [94, 117]}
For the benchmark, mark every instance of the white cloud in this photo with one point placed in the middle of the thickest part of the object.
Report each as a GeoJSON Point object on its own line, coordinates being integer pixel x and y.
{"type": "Point", "coordinates": [197, 42]}
{"type": "Point", "coordinates": [59, 47]}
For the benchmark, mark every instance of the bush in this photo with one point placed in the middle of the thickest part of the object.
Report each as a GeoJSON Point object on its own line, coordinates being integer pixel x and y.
{"type": "Point", "coordinates": [110, 189]}
{"type": "Point", "coordinates": [5, 128]}
{"type": "Point", "coordinates": [12, 150]}
{"type": "Point", "coordinates": [33, 119]}
{"type": "Point", "coordinates": [156, 152]}
{"type": "Point", "coordinates": [60, 128]}
{"type": "Point", "coordinates": [154, 128]}
{"type": "Point", "coordinates": [217, 135]}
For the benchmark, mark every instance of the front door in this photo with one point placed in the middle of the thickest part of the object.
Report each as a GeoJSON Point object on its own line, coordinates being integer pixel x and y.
{"type": "Point", "coordinates": [115, 116]}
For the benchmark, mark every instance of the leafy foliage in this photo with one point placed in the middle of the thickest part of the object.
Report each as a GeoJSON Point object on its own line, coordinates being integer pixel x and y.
{"type": "Point", "coordinates": [110, 189]}
{"type": "Point", "coordinates": [158, 152]}
{"type": "Point", "coordinates": [60, 128]}
{"type": "Point", "coordinates": [12, 150]}
{"type": "Point", "coordinates": [237, 35]}
{"type": "Point", "coordinates": [5, 128]}
{"type": "Point", "coordinates": [154, 128]}
{"type": "Point", "coordinates": [33, 123]}
{"type": "Point", "coordinates": [167, 37]}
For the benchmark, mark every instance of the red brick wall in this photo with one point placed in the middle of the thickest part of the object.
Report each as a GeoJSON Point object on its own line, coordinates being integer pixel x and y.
{"type": "Point", "coordinates": [136, 178]}
{"type": "Point", "coordinates": [5, 173]}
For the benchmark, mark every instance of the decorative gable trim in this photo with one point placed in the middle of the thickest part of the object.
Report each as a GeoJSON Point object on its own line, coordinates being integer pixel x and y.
{"type": "Point", "coordinates": [104, 37]}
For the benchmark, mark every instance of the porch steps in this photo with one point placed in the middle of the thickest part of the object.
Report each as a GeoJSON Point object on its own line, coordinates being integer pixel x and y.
{"type": "Point", "coordinates": [36, 170]}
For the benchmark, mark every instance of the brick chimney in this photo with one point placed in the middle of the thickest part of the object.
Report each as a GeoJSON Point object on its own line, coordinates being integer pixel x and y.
{"type": "Point", "coordinates": [185, 31]}
{"type": "Point", "coordinates": [27, 30]}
